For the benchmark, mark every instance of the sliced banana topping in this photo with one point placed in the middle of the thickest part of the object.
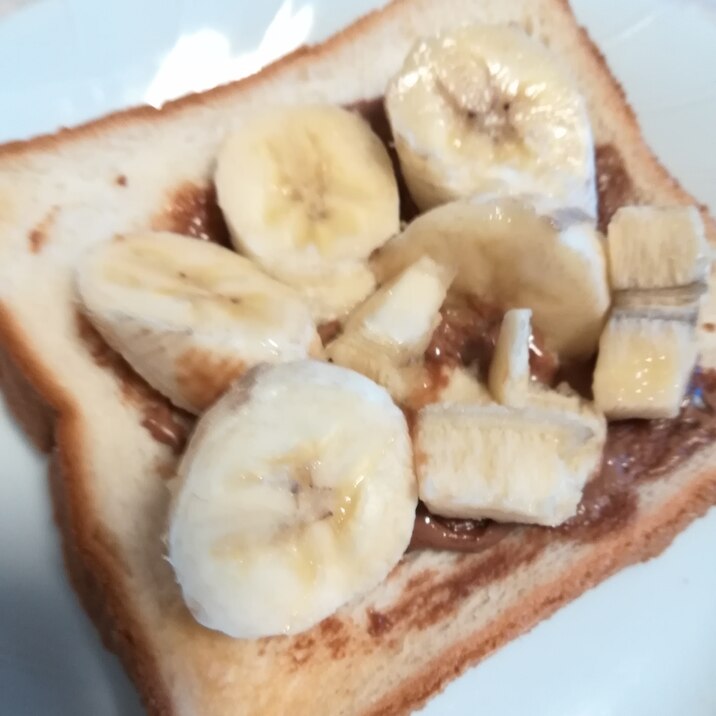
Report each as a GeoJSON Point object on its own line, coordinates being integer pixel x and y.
{"type": "Point", "coordinates": [331, 296]}
{"type": "Point", "coordinates": [644, 366]}
{"type": "Point", "coordinates": [403, 314]}
{"type": "Point", "coordinates": [659, 263]}
{"type": "Point", "coordinates": [505, 252]}
{"type": "Point", "coordinates": [487, 109]}
{"type": "Point", "coordinates": [190, 316]}
{"type": "Point", "coordinates": [309, 192]}
{"type": "Point", "coordinates": [660, 248]}
{"type": "Point", "coordinates": [495, 462]}
{"type": "Point", "coordinates": [509, 376]}
{"type": "Point", "coordinates": [386, 337]}
{"type": "Point", "coordinates": [296, 494]}
{"type": "Point", "coordinates": [392, 329]}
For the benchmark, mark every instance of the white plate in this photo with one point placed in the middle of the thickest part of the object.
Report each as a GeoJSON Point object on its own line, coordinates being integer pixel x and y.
{"type": "Point", "coordinates": [642, 643]}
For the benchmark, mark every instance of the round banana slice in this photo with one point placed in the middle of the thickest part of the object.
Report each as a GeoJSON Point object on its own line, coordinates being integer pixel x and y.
{"type": "Point", "coordinates": [505, 252]}
{"type": "Point", "coordinates": [190, 316]}
{"type": "Point", "coordinates": [487, 109]}
{"type": "Point", "coordinates": [296, 494]}
{"type": "Point", "coordinates": [309, 192]}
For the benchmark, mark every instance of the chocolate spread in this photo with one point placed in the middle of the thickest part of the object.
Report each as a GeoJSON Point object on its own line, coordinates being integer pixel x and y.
{"type": "Point", "coordinates": [435, 532]}
{"type": "Point", "coordinates": [164, 422]}
{"type": "Point", "coordinates": [161, 422]}
{"type": "Point", "coordinates": [193, 211]}
{"type": "Point", "coordinates": [467, 334]}
{"type": "Point", "coordinates": [614, 185]}
{"type": "Point", "coordinates": [373, 112]}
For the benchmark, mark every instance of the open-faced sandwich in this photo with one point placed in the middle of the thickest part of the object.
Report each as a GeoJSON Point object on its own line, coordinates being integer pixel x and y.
{"type": "Point", "coordinates": [356, 369]}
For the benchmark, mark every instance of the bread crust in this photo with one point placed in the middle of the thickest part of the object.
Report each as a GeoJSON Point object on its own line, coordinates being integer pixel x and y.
{"type": "Point", "coordinates": [38, 403]}
{"type": "Point", "coordinates": [49, 417]}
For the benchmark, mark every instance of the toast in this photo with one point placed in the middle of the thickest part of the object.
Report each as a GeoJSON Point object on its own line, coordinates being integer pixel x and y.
{"type": "Point", "coordinates": [438, 612]}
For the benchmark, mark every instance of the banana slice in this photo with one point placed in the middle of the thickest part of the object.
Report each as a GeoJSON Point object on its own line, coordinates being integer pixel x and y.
{"type": "Point", "coordinates": [386, 337]}
{"type": "Point", "coordinates": [190, 316]}
{"type": "Point", "coordinates": [644, 366]}
{"type": "Point", "coordinates": [659, 262]}
{"type": "Point", "coordinates": [309, 192]}
{"type": "Point", "coordinates": [296, 494]}
{"type": "Point", "coordinates": [660, 248]}
{"type": "Point", "coordinates": [505, 252]}
{"type": "Point", "coordinates": [393, 327]}
{"type": "Point", "coordinates": [512, 465]}
{"type": "Point", "coordinates": [486, 109]}
{"type": "Point", "coordinates": [509, 377]}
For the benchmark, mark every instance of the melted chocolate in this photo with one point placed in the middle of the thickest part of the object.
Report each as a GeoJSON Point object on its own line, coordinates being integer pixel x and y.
{"type": "Point", "coordinates": [614, 185]}
{"type": "Point", "coordinates": [467, 335]}
{"type": "Point", "coordinates": [434, 532]}
{"type": "Point", "coordinates": [373, 112]}
{"type": "Point", "coordinates": [164, 422]}
{"type": "Point", "coordinates": [193, 211]}
{"type": "Point", "coordinates": [328, 331]}
{"type": "Point", "coordinates": [164, 427]}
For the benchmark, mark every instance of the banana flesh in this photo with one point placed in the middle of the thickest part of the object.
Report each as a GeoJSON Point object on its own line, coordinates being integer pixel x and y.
{"type": "Point", "coordinates": [486, 109]}
{"type": "Point", "coordinates": [331, 296]}
{"type": "Point", "coordinates": [504, 251]}
{"type": "Point", "coordinates": [659, 261]}
{"type": "Point", "coordinates": [507, 464]}
{"type": "Point", "coordinates": [308, 192]}
{"type": "Point", "coordinates": [190, 316]}
{"type": "Point", "coordinates": [509, 376]}
{"type": "Point", "coordinates": [398, 320]}
{"type": "Point", "coordinates": [386, 337]}
{"type": "Point", "coordinates": [657, 248]}
{"type": "Point", "coordinates": [644, 366]}
{"type": "Point", "coordinates": [296, 495]}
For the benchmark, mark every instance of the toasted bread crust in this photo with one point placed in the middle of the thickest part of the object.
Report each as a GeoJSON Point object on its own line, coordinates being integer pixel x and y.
{"type": "Point", "coordinates": [38, 403]}
{"type": "Point", "coordinates": [49, 417]}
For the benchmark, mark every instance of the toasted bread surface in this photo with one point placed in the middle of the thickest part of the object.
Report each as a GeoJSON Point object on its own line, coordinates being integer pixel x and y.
{"type": "Point", "coordinates": [438, 612]}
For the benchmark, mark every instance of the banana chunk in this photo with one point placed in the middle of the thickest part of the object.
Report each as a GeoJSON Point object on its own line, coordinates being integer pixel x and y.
{"type": "Point", "coordinates": [509, 377]}
{"type": "Point", "coordinates": [296, 495]}
{"type": "Point", "coordinates": [659, 261]}
{"type": "Point", "coordinates": [644, 366]}
{"type": "Point", "coordinates": [494, 462]}
{"type": "Point", "coordinates": [486, 109]}
{"type": "Point", "coordinates": [386, 337]}
{"type": "Point", "coordinates": [309, 192]}
{"type": "Point", "coordinates": [657, 248]}
{"type": "Point", "coordinates": [399, 319]}
{"type": "Point", "coordinates": [190, 316]}
{"type": "Point", "coordinates": [505, 252]}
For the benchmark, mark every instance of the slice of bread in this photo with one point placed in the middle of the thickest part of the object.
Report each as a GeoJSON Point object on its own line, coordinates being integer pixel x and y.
{"type": "Point", "coordinates": [438, 612]}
